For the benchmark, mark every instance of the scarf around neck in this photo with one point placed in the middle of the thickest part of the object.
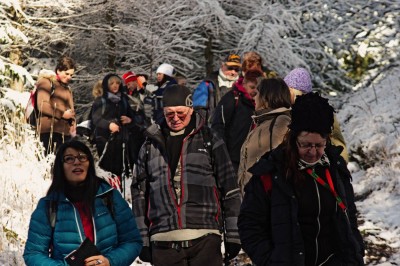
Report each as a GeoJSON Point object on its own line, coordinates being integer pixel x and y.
{"type": "Point", "coordinates": [115, 98]}
{"type": "Point", "coordinates": [324, 161]}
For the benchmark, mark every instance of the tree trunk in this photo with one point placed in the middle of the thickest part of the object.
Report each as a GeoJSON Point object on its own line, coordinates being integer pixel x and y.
{"type": "Point", "coordinates": [111, 42]}
{"type": "Point", "coordinates": [209, 56]}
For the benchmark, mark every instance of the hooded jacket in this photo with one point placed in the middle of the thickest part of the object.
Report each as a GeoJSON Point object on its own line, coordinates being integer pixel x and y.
{"type": "Point", "coordinates": [51, 106]}
{"type": "Point", "coordinates": [104, 112]}
{"type": "Point", "coordinates": [262, 139]}
{"type": "Point", "coordinates": [232, 119]}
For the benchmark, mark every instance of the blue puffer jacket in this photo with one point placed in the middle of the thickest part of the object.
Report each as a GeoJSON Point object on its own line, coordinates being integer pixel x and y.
{"type": "Point", "coordinates": [116, 237]}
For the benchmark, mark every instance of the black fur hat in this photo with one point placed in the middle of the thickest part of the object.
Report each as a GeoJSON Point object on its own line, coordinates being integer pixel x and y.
{"type": "Point", "coordinates": [312, 113]}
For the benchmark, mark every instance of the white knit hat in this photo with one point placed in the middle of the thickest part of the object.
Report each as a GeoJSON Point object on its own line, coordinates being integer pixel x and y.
{"type": "Point", "coordinates": [166, 69]}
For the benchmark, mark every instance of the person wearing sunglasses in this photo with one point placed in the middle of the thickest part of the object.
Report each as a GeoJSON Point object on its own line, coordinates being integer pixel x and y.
{"type": "Point", "coordinates": [210, 91]}
{"type": "Point", "coordinates": [182, 183]}
{"type": "Point", "coordinates": [74, 209]}
{"type": "Point", "coordinates": [298, 207]}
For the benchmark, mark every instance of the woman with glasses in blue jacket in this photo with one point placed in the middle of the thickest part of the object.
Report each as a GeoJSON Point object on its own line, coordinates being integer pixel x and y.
{"type": "Point", "coordinates": [75, 209]}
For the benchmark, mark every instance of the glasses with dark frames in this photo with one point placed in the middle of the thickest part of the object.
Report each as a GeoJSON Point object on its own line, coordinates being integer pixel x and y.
{"type": "Point", "coordinates": [309, 146]}
{"type": "Point", "coordinates": [70, 159]}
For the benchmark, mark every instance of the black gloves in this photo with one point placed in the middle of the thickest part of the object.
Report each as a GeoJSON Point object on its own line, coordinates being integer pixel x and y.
{"type": "Point", "coordinates": [231, 250]}
{"type": "Point", "coordinates": [145, 254]}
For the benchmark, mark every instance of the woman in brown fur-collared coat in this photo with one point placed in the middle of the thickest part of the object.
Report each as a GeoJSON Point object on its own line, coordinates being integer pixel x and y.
{"type": "Point", "coordinates": [55, 104]}
{"type": "Point", "coordinates": [272, 116]}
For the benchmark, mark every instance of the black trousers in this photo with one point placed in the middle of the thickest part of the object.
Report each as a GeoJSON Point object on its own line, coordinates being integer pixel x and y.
{"type": "Point", "coordinates": [204, 252]}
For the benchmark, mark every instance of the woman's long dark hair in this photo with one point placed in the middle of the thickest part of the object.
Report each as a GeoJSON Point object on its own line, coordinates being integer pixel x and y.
{"type": "Point", "coordinates": [59, 181]}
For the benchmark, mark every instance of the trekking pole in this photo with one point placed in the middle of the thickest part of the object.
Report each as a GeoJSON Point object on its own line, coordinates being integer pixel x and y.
{"type": "Point", "coordinates": [126, 171]}
{"type": "Point", "coordinates": [105, 147]}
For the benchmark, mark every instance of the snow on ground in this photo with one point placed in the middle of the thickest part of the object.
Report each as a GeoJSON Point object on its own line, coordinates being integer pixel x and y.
{"type": "Point", "coordinates": [369, 119]}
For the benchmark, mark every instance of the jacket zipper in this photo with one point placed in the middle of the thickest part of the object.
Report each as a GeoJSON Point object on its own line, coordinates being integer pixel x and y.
{"type": "Point", "coordinates": [77, 221]}
{"type": "Point", "coordinates": [218, 205]}
{"type": "Point", "coordinates": [318, 222]}
{"type": "Point", "coordinates": [173, 194]}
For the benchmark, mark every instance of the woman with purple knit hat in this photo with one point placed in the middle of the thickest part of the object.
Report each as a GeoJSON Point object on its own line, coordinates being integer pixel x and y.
{"type": "Point", "coordinates": [299, 83]}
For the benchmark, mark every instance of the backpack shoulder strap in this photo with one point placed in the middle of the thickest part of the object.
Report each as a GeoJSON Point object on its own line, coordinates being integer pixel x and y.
{"type": "Point", "coordinates": [236, 95]}
{"type": "Point", "coordinates": [103, 105]}
{"type": "Point", "coordinates": [271, 126]}
{"type": "Point", "coordinates": [109, 202]}
{"type": "Point", "coordinates": [52, 212]}
{"type": "Point", "coordinates": [207, 140]}
{"type": "Point", "coordinates": [52, 216]}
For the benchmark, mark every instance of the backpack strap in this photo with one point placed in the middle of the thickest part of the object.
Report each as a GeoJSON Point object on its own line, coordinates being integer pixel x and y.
{"type": "Point", "coordinates": [236, 95]}
{"type": "Point", "coordinates": [52, 213]}
{"type": "Point", "coordinates": [271, 126]}
{"type": "Point", "coordinates": [207, 140]}
{"type": "Point", "coordinates": [108, 201]}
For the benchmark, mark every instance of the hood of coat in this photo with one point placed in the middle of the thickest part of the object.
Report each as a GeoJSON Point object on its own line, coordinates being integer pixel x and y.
{"type": "Point", "coordinates": [104, 84]}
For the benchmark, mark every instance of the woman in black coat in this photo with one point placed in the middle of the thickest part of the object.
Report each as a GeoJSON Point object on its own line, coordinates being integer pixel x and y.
{"type": "Point", "coordinates": [298, 207]}
{"type": "Point", "coordinates": [113, 121]}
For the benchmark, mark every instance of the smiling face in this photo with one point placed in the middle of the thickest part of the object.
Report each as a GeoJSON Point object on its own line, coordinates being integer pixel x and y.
{"type": "Point", "coordinates": [65, 76]}
{"type": "Point", "coordinates": [76, 165]}
{"type": "Point", "coordinates": [251, 87]}
{"type": "Point", "coordinates": [177, 117]}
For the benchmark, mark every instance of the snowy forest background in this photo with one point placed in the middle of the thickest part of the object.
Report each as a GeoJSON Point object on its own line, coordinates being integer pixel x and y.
{"type": "Point", "coordinates": [350, 47]}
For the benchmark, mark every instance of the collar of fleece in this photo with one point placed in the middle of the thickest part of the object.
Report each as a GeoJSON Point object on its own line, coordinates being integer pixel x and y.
{"type": "Point", "coordinates": [239, 86]}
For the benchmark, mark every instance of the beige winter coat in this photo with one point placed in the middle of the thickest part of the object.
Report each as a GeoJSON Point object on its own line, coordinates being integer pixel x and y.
{"type": "Point", "coordinates": [258, 141]}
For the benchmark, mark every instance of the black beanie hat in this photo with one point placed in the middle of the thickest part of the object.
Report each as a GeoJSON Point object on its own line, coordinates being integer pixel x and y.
{"type": "Point", "coordinates": [312, 113]}
{"type": "Point", "coordinates": [177, 95]}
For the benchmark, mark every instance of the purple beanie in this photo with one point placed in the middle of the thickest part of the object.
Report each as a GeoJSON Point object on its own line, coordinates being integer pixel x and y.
{"type": "Point", "coordinates": [299, 79]}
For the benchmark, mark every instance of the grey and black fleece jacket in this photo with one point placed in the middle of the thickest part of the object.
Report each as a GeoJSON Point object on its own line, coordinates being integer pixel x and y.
{"type": "Point", "coordinates": [208, 186]}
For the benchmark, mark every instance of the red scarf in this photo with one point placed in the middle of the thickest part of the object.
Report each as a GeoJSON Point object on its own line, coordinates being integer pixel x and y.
{"type": "Point", "coordinates": [239, 85]}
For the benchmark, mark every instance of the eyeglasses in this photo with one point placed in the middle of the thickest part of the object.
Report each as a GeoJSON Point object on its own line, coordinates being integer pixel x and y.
{"type": "Point", "coordinates": [70, 159]}
{"type": "Point", "coordinates": [180, 114]}
{"type": "Point", "coordinates": [309, 146]}
{"type": "Point", "coordinates": [230, 68]}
